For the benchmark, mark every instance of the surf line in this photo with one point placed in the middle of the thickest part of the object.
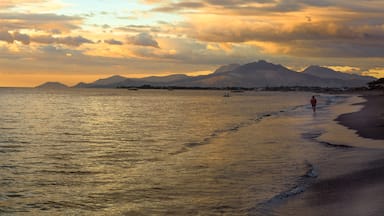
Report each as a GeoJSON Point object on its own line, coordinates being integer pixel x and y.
{"type": "Point", "coordinates": [314, 135]}
{"type": "Point", "coordinates": [301, 185]}
{"type": "Point", "coordinates": [219, 132]}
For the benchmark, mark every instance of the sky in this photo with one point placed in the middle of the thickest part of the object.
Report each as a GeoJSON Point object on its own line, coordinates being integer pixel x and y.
{"type": "Point", "coordinates": [73, 41]}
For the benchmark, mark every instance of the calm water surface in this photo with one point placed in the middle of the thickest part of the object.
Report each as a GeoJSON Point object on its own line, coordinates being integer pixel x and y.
{"type": "Point", "coordinates": [152, 152]}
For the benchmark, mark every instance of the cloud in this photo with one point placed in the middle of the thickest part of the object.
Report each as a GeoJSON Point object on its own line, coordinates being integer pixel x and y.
{"type": "Point", "coordinates": [41, 22]}
{"type": "Point", "coordinates": [138, 28]}
{"type": "Point", "coordinates": [152, 1]}
{"type": "Point", "coordinates": [6, 4]}
{"type": "Point", "coordinates": [73, 41]}
{"type": "Point", "coordinates": [205, 5]}
{"type": "Point", "coordinates": [6, 36]}
{"type": "Point", "coordinates": [143, 39]}
{"type": "Point", "coordinates": [43, 39]}
{"type": "Point", "coordinates": [345, 69]}
{"type": "Point", "coordinates": [113, 42]}
{"type": "Point", "coordinates": [70, 41]}
{"type": "Point", "coordinates": [106, 26]}
{"type": "Point", "coordinates": [237, 2]}
{"type": "Point", "coordinates": [375, 72]}
{"type": "Point", "coordinates": [337, 49]}
{"type": "Point", "coordinates": [345, 34]}
{"type": "Point", "coordinates": [180, 6]}
{"type": "Point", "coordinates": [38, 17]}
{"type": "Point", "coordinates": [24, 38]}
{"type": "Point", "coordinates": [258, 6]}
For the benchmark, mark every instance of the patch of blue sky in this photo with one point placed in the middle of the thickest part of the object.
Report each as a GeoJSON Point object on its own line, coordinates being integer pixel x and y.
{"type": "Point", "coordinates": [116, 13]}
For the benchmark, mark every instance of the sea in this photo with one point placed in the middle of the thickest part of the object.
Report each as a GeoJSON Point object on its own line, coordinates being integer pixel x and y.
{"type": "Point", "coordinates": [161, 152]}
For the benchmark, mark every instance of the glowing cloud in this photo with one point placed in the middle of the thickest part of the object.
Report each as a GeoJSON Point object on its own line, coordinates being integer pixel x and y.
{"type": "Point", "coordinates": [375, 72]}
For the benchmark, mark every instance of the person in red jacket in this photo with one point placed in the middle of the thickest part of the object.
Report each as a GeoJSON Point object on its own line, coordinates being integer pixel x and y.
{"type": "Point", "coordinates": [313, 103]}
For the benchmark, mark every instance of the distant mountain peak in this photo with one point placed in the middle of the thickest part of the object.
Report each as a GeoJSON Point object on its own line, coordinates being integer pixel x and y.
{"type": "Point", "coordinates": [227, 68]}
{"type": "Point", "coordinates": [313, 68]}
{"type": "Point", "coordinates": [52, 85]}
{"type": "Point", "coordinates": [262, 65]}
{"type": "Point", "coordinates": [109, 80]}
{"type": "Point", "coordinates": [261, 61]}
{"type": "Point", "coordinates": [328, 73]}
{"type": "Point", "coordinates": [117, 77]}
{"type": "Point", "coordinates": [163, 79]}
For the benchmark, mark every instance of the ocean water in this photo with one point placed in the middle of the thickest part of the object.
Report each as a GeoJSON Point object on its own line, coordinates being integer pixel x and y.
{"type": "Point", "coordinates": [157, 152]}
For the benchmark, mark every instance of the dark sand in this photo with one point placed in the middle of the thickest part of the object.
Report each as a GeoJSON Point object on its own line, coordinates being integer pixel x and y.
{"type": "Point", "coordinates": [351, 183]}
{"type": "Point", "coordinates": [369, 121]}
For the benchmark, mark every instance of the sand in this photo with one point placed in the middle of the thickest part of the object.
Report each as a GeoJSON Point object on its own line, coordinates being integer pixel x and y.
{"type": "Point", "coordinates": [353, 182]}
{"type": "Point", "coordinates": [369, 121]}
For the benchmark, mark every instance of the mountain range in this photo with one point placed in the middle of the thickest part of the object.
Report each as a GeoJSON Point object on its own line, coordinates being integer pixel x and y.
{"type": "Point", "coordinates": [251, 75]}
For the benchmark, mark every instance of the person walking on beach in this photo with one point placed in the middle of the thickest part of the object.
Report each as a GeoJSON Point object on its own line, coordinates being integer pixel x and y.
{"type": "Point", "coordinates": [313, 103]}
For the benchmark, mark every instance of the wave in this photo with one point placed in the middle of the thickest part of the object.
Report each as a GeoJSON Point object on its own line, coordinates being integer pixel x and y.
{"type": "Point", "coordinates": [313, 135]}
{"type": "Point", "coordinates": [333, 145]}
{"type": "Point", "coordinates": [302, 184]}
{"type": "Point", "coordinates": [234, 128]}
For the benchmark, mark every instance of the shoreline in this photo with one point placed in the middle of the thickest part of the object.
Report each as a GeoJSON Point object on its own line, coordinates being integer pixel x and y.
{"type": "Point", "coordinates": [369, 121]}
{"type": "Point", "coordinates": [351, 181]}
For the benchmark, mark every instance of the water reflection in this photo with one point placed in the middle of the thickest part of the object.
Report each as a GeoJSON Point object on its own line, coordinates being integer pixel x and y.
{"type": "Point", "coordinates": [91, 151]}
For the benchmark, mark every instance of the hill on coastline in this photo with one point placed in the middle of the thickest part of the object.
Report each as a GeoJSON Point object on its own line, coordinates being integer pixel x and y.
{"type": "Point", "coordinates": [52, 85]}
{"type": "Point", "coordinates": [251, 75]}
{"type": "Point", "coordinates": [328, 73]}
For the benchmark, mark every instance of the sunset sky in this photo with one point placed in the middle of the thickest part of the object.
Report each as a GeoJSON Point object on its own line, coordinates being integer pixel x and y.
{"type": "Point", "coordinates": [83, 40]}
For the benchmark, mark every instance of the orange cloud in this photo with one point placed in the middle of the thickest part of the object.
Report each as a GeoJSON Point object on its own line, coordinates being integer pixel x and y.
{"type": "Point", "coordinates": [6, 4]}
{"type": "Point", "coordinates": [345, 69]}
{"type": "Point", "coordinates": [39, 21]}
{"type": "Point", "coordinates": [375, 72]}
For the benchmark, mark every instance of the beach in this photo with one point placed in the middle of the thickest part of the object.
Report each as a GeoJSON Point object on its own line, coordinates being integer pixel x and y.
{"type": "Point", "coordinates": [351, 182]}
{"type": "Point", "coordinates": [369, 121]}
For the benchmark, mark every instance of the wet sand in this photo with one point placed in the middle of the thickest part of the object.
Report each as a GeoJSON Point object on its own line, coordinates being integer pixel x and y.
{"type": "Point", "coordinates": [369, 121]}
{"type": "Point", "coordinates": [351, 183]}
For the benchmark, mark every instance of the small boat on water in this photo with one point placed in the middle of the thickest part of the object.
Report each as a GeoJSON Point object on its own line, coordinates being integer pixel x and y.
{"type": "Point", "coordinates": [133, 89]}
